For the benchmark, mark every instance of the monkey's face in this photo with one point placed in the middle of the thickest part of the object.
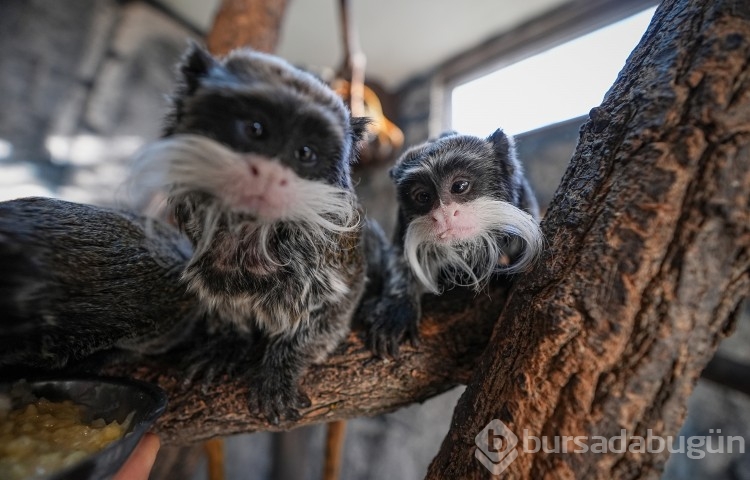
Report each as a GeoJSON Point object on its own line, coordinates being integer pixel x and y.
{"type": "Point", "coordinates": [284, 145]}
{"type": "Point", "coordinates": [458, 199]}
{"type": "Point", "coordinates": [289, 126]}
{"type": "Point", "coordinates": [447, 199]}
{"type": "Point", "coordinates": [253, 141]}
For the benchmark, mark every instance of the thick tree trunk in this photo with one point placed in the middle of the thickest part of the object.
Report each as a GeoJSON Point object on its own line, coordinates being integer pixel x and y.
{"type": "Point", "coordinates": [647, 261]}
{"type": "Point", "coordinates": [252, 23]}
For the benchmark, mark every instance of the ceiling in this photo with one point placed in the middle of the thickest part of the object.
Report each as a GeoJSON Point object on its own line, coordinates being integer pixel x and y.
{"type": "Point", "coordinates": [400, 38]}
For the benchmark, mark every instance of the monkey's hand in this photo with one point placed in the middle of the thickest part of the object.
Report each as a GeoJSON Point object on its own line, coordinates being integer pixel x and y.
{"type": "Point", "coordinates": [274, 387]}
{"type": "Point", "coordinates": [213, 355]}
{"type": "Point", "coordinates": [390, 309]}
{"type": "Point", "coordinates": [389, 321]}
{"type": "Point", "coordinates": [276, 395]}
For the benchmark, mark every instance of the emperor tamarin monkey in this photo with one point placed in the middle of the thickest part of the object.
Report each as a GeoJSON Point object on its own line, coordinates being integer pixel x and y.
{"type": "Point", "coordinates": [466, 211]}
{"type": "Point", "coordinates": [256, 168]}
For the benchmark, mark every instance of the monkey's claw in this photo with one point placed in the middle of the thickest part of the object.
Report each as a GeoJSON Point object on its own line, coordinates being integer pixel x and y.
{"type": "Point", "coordinates": [215, 356]}
{"type": "Point", "coordinates": [276, 398]}
{"type": "Point", "coordinates": [389, 322]}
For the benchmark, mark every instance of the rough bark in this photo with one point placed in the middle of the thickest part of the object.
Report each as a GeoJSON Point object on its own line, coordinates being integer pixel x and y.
{"type": "Point", "coordinates": [351, 383]}
{"type": "Point", "coordinates": [646, 265]}
{"type": "Point", "coordinates": [253, 23]}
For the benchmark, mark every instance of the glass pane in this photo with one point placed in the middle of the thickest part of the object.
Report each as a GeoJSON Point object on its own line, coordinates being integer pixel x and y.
{"type": "Point", "coordinates": [561, 83]}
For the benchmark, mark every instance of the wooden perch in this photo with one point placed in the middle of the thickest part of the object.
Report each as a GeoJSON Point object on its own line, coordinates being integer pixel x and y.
{"type": "Point", "coordinates": [351, 383]}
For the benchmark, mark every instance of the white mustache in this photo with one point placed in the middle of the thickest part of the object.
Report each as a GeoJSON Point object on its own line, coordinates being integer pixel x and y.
{"type": "Point", "coordinates": [473, 261]}
{"type": "Point", "coordinates": [181, 165]}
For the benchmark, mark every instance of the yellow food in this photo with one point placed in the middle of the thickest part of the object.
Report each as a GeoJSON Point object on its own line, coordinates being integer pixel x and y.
{"type": "Point", "coordinates": [45, 436]}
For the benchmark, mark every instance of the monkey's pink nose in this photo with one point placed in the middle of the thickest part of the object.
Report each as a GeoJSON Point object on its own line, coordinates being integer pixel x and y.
{"type": "Point", "coordinates": [454, 222]}
{"type": "Point", "coordinates": [444, 215]}
{"type": "Point", "coordinates": [268, 175]}
{"type": "Point", "coordinates": [266, 188]}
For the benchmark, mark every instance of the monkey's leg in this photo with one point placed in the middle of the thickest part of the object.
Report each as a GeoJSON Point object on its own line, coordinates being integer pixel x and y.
{"type": "Point", "coordinates": [390, 312]}
{"type": "Point", "coordinates": [215, 351]}
{"type": "Point", "coordinates": [274, 390]}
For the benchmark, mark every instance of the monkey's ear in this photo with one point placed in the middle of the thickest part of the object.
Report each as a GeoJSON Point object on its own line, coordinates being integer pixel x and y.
{"type": "Point", "coordinates": [501, 143]}
{"type": "Point", "coordinates": [359, 128]}
{"type": "Point", "coordinates": [393, 171]}
{"type": "Point", "coordinates": [357, 131]}
{"type": "Point", "coordinates": [505, 153]}
{"type": "Point", "coordinates": [195, 65]}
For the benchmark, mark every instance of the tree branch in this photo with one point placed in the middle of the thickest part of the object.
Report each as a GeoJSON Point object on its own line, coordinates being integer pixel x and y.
{"type": "Point", "coordinates": [648, 259]}
{"type": "Point", "coordinates": [251, 23]}
{"type": "Point", "coordinates": [454, 331]}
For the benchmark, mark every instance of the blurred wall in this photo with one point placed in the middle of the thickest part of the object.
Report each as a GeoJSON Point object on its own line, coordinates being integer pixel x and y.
{"type": "Point", "coordinates": [84, 84]}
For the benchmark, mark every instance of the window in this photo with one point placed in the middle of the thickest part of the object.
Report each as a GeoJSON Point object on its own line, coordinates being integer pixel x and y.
{"type": "Point", "coordinates": [558, 84]}
{"type": "Point", "coordinates": [539, 82]}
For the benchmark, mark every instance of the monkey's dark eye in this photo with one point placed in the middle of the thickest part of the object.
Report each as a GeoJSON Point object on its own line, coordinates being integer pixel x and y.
{"type": "Point", "coordinates": [422, 197]}
{"type": "Point", "coordinates": [306, 155]}
{"type": "Point", "coordinates": [459, 187]}
{"type": "Point", "coordinates": [254, 129]}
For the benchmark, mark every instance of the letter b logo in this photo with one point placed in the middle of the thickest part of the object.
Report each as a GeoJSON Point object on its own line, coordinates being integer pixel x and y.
{"type": "Point", "coordinates": [496, 446]}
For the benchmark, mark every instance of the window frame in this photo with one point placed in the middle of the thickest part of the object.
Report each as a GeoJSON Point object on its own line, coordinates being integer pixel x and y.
{"type": "Point", "coordinates": [561, 24]}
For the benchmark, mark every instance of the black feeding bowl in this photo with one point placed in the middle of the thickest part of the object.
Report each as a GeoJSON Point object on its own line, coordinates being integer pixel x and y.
{"type": "Point", "coordinates": [111, 399]}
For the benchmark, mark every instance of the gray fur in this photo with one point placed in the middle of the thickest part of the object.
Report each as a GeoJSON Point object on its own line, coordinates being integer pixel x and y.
{"type": "Point", "coordinates": [290, 283]}
{"type": "Point", "coordinates": [88, 279]}
{"type": "Point", "coordinates": [390, 309]}
{"type": "Point", "coordinates": [505, 236]}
